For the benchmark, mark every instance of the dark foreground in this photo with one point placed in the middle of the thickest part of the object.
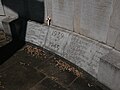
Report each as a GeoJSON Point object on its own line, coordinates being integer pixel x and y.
{"type": "Point", "coordinates": [34, 68]}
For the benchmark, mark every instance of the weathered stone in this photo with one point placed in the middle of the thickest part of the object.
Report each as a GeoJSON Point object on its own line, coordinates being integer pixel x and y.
{"type": "Point", "coordinates": [36, 33]}
{"type": "Point", "coordinates": [112, 36]}
{"type": "Point", "coordinates": [56, 40]}
{"type": "Point", "coordinates": [85, 53]}
{"type": "Point", "coordinates": [117, 43]}
{"type": "Point", "coordinates": [115, 17]}
{"type": "Point", "coordinates": [109, 70]}
{"type": "Point", "coordinates": [95, 18]}
{"type": "Point", "coordinates": [1, 9]}
{"type": "Point", "coordinates": [63, 13]}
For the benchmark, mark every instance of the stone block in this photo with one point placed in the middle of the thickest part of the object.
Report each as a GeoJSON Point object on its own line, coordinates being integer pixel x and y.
{"type": "Point", "coordinates": [112, 36]}
{"type": "Point", "coordinates": [6, 24]}
{"type": "Point", "coordinates": [115, 17]}
{"type": "Point", "coordinates": [63, 13]}
{"type": "Point", "coordinates": [1, 9]}
{"type": "Point", "coordinates": [56, 40]}
{"type": "Point", "coordinates": [109, 70]}
{"type": "Point", "coordinates": [36, 33]}
{"type": "Point", "coordinates": [95, 18]}
{"type": "Point", "coordinates": [84, 53]}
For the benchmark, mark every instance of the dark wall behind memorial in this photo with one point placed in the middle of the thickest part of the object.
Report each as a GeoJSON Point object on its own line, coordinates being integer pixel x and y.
{"type": "Point", "coordinates": [30, 9]}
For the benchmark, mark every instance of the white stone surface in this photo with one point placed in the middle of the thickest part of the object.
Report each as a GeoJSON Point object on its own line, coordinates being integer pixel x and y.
{"type": "Point", "coordinates": [109, 70]}
{"type": "Point", "coordinates": [1, 9]}
{"type": "Point", "coordinates": [85, 53]}
{"type": "Point", "coordinates": [112, 36]}
{"type": "Point", "coordinates": [56, 40]}
{"type": "Point", "coordinates": [95, 18]}
{"type": "Point", "coordinates": [36, 33]}
{"type": "Point", "coordinates": [100, 52]}
{"type": "Point", "coordinates": [115, 17]}
{"type": "Point", "coordinates": [63, 13]}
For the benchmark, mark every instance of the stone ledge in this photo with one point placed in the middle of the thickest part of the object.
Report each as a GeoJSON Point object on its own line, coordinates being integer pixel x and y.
{"type": "Point", "coordinates": [112, 58]}
{"type": "Point", "coordinates": [6, 24]}
{"type": "Point", "coordinates": [109, 70]}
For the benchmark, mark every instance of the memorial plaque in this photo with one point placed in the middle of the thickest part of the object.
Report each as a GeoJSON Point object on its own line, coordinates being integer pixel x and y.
{"type": "Point", "coordinates": [36, 33]}
{"type": "Point", "coordinates": [84, 53]}
{"type": "Point", "coordinates": [56, 40]}
{"type": "Point", "coordinates": [1, 9]}
{"type": "Point", "coordinates": [95, 18]}
{"type": "Point", "coordinates": [63, 13]}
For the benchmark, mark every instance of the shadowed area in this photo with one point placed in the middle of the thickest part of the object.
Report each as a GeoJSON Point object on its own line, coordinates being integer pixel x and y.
{"type": "Point", "coordinates": [26, 10]}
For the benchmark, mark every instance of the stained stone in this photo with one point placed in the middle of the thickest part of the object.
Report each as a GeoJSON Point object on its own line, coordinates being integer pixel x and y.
{"type": "Point", "coordinates": [36, 33]}
{"type": "Point", "coordinates": [56, 40]}
{"type": "Point", "coordinates": [62, 13]}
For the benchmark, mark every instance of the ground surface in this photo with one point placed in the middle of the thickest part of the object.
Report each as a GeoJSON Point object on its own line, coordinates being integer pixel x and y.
{"type": "Point", "coordinates": [34, 68]}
